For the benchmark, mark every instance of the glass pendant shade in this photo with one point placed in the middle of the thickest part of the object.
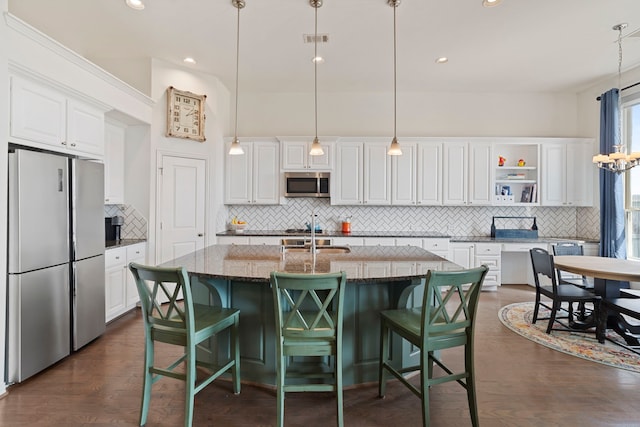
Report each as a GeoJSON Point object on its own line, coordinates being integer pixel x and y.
{"type": "Point", "coordinates": [316, 148]}
{"type": "Point", "coordinates": [235, 148]}
{"type": "Point", "coordinates": [394, 148]}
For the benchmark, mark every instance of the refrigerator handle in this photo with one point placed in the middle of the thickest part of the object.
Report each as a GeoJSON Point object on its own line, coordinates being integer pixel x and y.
{"type": "Point", "coordinates": [60, 180]}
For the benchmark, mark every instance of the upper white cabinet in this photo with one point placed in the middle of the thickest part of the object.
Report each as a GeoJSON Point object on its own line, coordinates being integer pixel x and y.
{"type": "Point", "coordinates": [44, 117]}
{"type": "Point", "coordinates": [516, 168]}
{"type": "Point", "coordinates": [295, 154]}
{"type": "Point", "coordinates": [567, 173]}
{"type": "Point", "coordinates": [362, 174]}
{"type": "Point", "coordinates": [403, 175]}
{"type": "Point", "coordinates": [253, 177]}
{"type": "Point", "coordinates": [114, 140]}
{"type": "Point", "coordinates": [429, 173]}
{"type": "Point", "coordinates": [467, 173]}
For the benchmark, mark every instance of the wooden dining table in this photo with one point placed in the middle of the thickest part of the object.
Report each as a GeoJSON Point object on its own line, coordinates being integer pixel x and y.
{"type": "Point", "coordinates": [611, 275]}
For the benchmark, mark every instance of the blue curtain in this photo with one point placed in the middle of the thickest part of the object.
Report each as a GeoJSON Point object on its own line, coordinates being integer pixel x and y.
{"type": "Point", "coordinates": [612, 237]}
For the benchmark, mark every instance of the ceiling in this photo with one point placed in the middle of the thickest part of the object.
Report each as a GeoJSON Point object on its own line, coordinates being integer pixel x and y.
{"type": "Point", "coordinates": [518, 46]}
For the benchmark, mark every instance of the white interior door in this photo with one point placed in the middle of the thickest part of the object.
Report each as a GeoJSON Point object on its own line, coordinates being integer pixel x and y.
{"type": "Point", "coordinates": [182, 206]}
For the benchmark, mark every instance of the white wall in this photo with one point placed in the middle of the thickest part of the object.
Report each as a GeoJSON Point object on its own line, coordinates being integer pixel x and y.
{"type": "Point", "coordinates": [217, 109]}
{"type": "Point", "coordinates": [419, 114]}
{"type": "Point", "coordinates": [4, 137]}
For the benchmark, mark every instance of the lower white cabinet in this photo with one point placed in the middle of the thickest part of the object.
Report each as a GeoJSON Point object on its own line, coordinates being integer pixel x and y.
{"type": "Point", "coordinates": [121, 294]}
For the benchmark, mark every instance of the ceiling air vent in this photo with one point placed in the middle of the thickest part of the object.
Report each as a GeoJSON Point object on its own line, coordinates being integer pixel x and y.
{"type": "Point", "coordinates": [310, 38]}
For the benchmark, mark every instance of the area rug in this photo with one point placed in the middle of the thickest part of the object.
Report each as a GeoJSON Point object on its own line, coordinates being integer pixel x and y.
{"type": "Point", "coordinates": [517, 317]}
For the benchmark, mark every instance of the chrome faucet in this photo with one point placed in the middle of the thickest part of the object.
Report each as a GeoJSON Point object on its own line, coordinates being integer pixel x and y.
{"type": "Point", "coordinates": [313, 233]}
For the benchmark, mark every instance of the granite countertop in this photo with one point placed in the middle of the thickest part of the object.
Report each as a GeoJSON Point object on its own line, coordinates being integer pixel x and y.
{"type": "Point", "coordinates": [331, 233]}
{"type": "Point", "coordinates": [417, 234]}
{"type": "Point", "coordinates": [254, 263]}
{"type": "Point", "coordinates": [111, 244]}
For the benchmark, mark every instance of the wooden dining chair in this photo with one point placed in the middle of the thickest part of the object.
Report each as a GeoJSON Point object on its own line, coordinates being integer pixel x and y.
{"type": "Point", "coordinates": [182, 323]}
{"type": "Point", "coordinates": [542, 263]}
{"type": "Point", "coordinates": [564, 278]}
{"type": "Point", "coordinates": [445, 320]}
{"type": "Point", "coordinates": [308, 312]}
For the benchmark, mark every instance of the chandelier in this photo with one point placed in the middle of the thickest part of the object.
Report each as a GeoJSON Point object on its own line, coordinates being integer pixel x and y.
{"type": "Point", "coordinates": [618, 161]}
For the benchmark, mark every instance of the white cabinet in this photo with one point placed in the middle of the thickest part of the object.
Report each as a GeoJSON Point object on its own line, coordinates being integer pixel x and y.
{"type": "Point", "coordinates": [429, 174]}
{"type": "Point", "coordinates": [403, 176]}
{"type": "Point", "coordinates": [348, 241]}
{"type": "Point", "coordinates": [437, 245]}
{"type": "Point", "coordinates": [295, 155]}
{"type": "Point", "coordinates": [121, 294]}
{"type": "Point", "coordinates": [467, 173]}
{"type": "Point", "coordinates": [43, 117]}
{"type": "Point", "coordinates": [377, 174]}
{"type": "Point", "coordinates": [516, 181]}
{"type": "Point", "coordinates": [489, 254]}
{"type": "Point", "coordinates": [233, 240]}
{"type": "Point", "coordinates": [114, 137]}
{"type": "Point", "coordinates": [567, 173]}
{"type": "Point", "coordinates": [462, 253]}
{"type": "Point", "coordinates": [362, 174]}
{"type": "Point", "coordinates": [253, 178]}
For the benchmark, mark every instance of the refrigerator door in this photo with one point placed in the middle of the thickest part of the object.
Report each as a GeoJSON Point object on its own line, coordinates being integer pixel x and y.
{"type": "Point", "coordinates": [87, 187]}
{"type": "Point", "coordinates": [38, 211]}
{"type": "Point", "coordinates": [39, 321]}
{"type": "Point", "coordinates": [88, 301]}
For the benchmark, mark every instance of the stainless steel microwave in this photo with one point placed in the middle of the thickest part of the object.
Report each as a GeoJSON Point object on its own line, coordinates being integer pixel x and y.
{"type": "Point", "coordinates": [306, 184]}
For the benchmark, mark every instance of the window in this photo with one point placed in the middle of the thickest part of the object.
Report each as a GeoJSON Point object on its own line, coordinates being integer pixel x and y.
{"type": "Point", "coordinates": [631, 137]}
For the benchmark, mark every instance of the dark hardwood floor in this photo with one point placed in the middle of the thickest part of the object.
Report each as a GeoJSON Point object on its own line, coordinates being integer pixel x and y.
{"type": "Point", "coordinates": [520, 383]}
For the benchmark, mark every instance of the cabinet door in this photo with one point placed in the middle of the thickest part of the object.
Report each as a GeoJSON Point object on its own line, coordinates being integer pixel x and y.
{"type": "Point", "coordinates": [115, 302]}
{"type": "Point", "coordinates": [579, 174]}
{"type": "Point", "coordinates": [85, 128]}
{"type": "Point", "coordinates": [377, 174]}
{"type": "Point", "coordinates": [294, 155]}
{"type": "Point", "coordinates": [346, 184]}
{"type": "Point", "coordinates": [114, 165]}
{"type": "Point", "coordinates": [554, 174]}
{"type": "Point", "coordinates": [135, 253]}
{"type": "Point", "coordinates": [455, 173]}
{"type": "Point", "coordinates": [479, 174]}
{"type": "Point", "coordinates": [239, 177]}
{"type": "Point", "coordinates": [429, 172]}
{"type": "Point", "coordinates": [37, 113]}
{"type": "Point", "coordinates": [266, 176]}
{"type": "Point", "coordinates": [403, 179]}
{"type": "Point", "coordinates": [462, 254]}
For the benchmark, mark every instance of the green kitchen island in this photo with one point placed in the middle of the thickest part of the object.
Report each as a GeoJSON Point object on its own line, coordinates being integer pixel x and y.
{"type": "Point", "coordinates": [378, 278]}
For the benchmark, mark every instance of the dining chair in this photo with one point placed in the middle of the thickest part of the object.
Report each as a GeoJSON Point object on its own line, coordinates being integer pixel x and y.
{"type": "Point", "coordinates": [445, 320]}
{"type": "Point", "coordinates": [182, 323]}
{"type": "Point", "coordinates": [308, 313]}
{"type": "Point", "coordinates": [542, 263]}
{"type": "Point", "coordinates": [573, 249]}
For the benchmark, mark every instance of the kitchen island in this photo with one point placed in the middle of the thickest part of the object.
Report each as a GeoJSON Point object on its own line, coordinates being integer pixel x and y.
{"type": "Point", "coordinates": [378, 278]}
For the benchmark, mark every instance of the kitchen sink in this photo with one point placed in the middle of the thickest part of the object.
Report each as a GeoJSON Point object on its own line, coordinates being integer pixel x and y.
{"type": "Point", "coordinates": [319, 249]}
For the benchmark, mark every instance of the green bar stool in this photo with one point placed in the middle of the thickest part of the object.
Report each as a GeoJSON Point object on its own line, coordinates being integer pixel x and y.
{"type": "Point", "coordinates": [183, 323]}
{"type": "Point", "coordinates": [445, 320]}
{"type": "Point", "coordinates": [308, 312]}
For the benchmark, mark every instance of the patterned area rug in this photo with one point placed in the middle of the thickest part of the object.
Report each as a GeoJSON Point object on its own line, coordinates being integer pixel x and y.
{"type": "Point", "coordinates": [517, 317]}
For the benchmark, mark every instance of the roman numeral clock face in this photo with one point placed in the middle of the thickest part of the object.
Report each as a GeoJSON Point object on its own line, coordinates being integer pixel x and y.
{"type": "Point", "coordinates": [185, 114]}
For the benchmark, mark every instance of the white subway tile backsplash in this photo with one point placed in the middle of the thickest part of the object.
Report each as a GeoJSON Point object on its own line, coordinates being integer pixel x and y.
{"type": "Point", "coordinates": [135, 225]}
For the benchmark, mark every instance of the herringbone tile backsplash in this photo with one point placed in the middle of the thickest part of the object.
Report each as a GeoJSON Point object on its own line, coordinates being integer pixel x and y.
{"type": "Point", "coordinates": [135, 225]}
{"type": "Point", "coordinates": [451, 220]}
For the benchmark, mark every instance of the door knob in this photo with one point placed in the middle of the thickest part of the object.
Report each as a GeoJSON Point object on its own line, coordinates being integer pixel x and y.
{"type": "Point", "coordinates": [200, 234]}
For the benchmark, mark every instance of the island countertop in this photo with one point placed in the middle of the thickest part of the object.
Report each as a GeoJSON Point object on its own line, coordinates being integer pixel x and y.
{"type": "Point", "coordinates": [362, 264]}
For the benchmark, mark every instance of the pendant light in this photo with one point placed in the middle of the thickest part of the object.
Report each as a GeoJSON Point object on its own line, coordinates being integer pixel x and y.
{"type": "Point", "coordinates": [394, 148]}
{"type": "Point", "coordinates": [316, 148]}
{"type": "Point", "coordinates": [235, 148]}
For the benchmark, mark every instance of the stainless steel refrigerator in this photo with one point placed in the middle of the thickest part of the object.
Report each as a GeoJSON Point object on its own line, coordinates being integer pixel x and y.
{"type": "Point", "coordinates": [55, 292]}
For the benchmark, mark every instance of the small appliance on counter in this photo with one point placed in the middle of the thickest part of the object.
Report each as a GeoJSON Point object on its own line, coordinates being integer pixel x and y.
{"type": "Point", "coordinates": [112, 228]}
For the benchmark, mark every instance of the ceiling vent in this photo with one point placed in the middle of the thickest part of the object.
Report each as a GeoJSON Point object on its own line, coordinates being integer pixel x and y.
{"type": "Point", "coordinates": [310, 38]}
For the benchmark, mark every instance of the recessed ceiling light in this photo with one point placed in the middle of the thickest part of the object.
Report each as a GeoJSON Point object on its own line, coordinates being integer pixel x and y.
{"type": "Point", "coordinates": [490, 3]}
{"type": "Point", "coordinates": [318, 59]}
{"type": "Point", "coordinates": [442, 60]}
{"type": "Point", "coordinates": [189, 60]}
{"type": "Point", "coordinates": [135, 4]}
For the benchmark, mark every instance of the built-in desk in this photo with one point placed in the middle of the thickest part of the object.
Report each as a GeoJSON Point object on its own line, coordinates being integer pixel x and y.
{"type": "Point", "coordinates": [376, 279]}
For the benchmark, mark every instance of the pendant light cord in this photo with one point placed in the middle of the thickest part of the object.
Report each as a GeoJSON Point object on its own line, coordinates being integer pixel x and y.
{"type": "Point", "coordinates": [315, 70]}
{"type": "Point", "coordinates": [394, 72]}
{"type": "Point", "coordinates": [620, 28]}
{"type": "Point", "coordinates": [237, 68]}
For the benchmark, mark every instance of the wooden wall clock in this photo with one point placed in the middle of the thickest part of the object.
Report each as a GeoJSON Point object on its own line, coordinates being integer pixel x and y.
{"type": "Point", "coordinates": [185, 114]}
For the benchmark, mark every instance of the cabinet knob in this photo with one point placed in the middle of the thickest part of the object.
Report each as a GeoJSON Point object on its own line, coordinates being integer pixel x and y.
{"type": "Point", "coordinates": [200, 234]}
{"type": "Point", "coordinates": [73, 144]}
